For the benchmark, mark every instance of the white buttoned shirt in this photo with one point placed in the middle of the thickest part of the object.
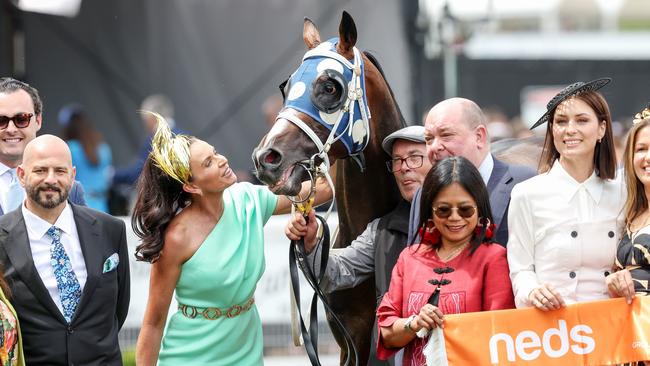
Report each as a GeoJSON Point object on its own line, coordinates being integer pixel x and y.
{"type": "Point", "coordinates": [5, 182]}
{"type": "Point", "coordinates": [564, 233]}
{"type": "Point", "coordinates": [40, 244]}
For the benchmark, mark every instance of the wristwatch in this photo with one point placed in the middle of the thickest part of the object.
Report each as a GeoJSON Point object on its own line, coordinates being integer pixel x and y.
{"type": "Point", "coordinates": [407, 324]}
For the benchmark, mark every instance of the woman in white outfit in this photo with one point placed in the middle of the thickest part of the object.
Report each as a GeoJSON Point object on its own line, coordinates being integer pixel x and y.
{"type": "Point", "coordinates": [565, 223]}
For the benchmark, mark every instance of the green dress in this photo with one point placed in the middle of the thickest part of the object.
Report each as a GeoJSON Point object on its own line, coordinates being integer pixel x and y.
{"type": "Point", "coordinates": [223, 273]}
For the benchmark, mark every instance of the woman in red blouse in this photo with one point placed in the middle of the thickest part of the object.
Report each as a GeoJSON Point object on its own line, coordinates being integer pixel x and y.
{"type": "Point", "coordinates": [455, 217]}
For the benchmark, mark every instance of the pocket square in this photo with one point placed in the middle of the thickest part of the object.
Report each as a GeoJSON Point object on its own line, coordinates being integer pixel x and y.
{"type": "Point", "coordinates": [111, 263]}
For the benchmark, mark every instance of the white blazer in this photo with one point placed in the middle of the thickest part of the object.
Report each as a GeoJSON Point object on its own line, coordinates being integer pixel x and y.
{"type": "Point", "coordinates": [564, 233]}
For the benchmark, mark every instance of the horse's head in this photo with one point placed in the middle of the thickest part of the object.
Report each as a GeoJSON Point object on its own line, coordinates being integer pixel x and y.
{"type": "Point", "coordinates": [325, 114]}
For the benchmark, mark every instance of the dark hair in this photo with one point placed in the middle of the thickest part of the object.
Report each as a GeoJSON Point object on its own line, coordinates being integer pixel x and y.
{"type": "Point", "coordinates": [637, 201]}
{"type": "Point", "coordinates": [604, 156]}
{"type": "Point", "coordinates": [456, 169]}
{"type": "Point", "coordinates": [159, 197]}
{"type": "Point", "coordinates": [10, 85]}
{"type": "Point", "coordinates": [80, 128]}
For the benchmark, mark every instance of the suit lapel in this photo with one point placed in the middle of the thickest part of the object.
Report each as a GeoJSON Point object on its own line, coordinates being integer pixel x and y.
{"type": "Point", "coordinates": [88, 230]}
{"type": "Point", "coordinates": [498, 190]}
{"type": "Point", "coordinates": [19, 253]}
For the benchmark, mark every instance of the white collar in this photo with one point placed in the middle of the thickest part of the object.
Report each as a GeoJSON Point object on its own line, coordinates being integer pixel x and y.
{"type": "Point", "coordinates": [4, 168]}
{"type": "Point", "coordinates": [593, 184]}
{"type": "Point", "coordinates": [37, 227]}
{"type": "Point", "coordinates": [486, 167]}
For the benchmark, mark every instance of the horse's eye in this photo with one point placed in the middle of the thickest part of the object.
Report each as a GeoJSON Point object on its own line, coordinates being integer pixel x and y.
{"type": "Point", "coordinates": [329, 91]}
{"type": "Point", "coordinates": [329, 87]}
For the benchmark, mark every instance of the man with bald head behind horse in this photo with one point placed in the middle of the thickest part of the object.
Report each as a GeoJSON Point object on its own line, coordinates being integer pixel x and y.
{"type": "Point", "coordinates": [458, 127]}
{"type": "Point", "coordinates": [376, 250]}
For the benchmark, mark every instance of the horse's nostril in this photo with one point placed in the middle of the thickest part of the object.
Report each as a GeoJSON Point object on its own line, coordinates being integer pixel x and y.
{"type": "Point", "coordinates": [271, 157]}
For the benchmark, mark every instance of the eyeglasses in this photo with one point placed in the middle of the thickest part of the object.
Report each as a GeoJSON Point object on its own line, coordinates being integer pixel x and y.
{"type": "Point", "coordinates": [444, 212]}
{"type": "Point", "coordinates": [21, 120]}
{"type": "Point", "coordinates": [412, 161]}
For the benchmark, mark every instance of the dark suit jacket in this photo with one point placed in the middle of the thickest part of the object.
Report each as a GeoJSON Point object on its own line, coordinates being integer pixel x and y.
{"type": "Point", "coordinates": [76, 195]}
{"type": "Point", "coordinates": [502, 179]}
{"type": "Point", "coordinates": [91, 337]}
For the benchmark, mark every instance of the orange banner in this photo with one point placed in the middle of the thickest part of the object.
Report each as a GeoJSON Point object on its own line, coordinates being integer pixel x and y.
{"type": "Point", "coordinates": [591, 333]}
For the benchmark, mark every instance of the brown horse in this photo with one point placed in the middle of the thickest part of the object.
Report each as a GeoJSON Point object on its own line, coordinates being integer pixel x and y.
{"type": "Point", "coordinates": [360, 196]}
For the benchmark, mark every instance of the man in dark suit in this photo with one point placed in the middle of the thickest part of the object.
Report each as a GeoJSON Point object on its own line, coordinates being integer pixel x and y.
{"type": "Point", "coordinates": [457, 127]}
{"type": "Point", "coordinates": [67, 265]}
{"type": "Point", "coordinates": [21, 116]}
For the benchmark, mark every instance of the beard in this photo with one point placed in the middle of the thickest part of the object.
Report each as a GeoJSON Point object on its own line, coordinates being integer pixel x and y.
{"type": "Point", "coordinates": [47, 200]}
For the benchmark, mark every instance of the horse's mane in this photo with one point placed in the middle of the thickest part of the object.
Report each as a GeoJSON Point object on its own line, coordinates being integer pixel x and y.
{"type": "Point", "coordinates": [375, 62]}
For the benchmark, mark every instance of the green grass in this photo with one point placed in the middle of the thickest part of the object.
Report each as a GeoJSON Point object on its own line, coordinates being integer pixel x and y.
{"type": "Point", "coordinates": [128, 357]}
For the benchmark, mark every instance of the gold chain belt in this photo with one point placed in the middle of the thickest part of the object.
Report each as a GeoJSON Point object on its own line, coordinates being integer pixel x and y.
{"type": "Point", "coordinates": [215, 313]}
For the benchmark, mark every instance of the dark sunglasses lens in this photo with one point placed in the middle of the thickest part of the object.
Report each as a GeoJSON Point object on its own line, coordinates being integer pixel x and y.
{"type": "Point", "coordinates": [22, 120]}
{"type": "Point", "coordinates": [466, 211]}
{"type": "Point", "coordinates": [4, 121]}
{"type": "Point", "coordinates": [443, 212]}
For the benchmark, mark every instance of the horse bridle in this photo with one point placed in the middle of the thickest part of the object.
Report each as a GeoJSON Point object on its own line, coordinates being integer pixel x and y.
{"type": "Point", "coordinates": [355, 94]}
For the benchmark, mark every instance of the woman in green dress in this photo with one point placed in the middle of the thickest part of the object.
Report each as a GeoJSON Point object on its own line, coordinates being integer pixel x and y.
{"type": "Point", "coordinates": [204, 234]}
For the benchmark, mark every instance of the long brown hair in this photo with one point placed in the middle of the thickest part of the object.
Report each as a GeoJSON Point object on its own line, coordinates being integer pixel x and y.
{"type": "Point", "coordinates": [159, 197]}
{"type": "Point", "coordinates": [604, 156]}
{"type": "Point", "coordinates": [636, 202]}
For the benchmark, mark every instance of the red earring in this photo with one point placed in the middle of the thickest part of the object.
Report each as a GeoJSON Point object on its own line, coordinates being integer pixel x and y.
{"type": "Point", "coordinates": [429, 234]}
{"type": "Point", "coordinates": [489, 228]}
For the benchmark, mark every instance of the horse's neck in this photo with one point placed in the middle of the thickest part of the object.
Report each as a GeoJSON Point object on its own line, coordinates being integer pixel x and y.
{"type": "Point", "coordinates": [362, 197]}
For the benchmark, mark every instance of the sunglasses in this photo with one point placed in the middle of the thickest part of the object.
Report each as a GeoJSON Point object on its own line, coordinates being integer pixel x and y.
{"type": "Point", "coordinates": [21, 120]}
{"type": "Point", "coordinates": [443, 212]}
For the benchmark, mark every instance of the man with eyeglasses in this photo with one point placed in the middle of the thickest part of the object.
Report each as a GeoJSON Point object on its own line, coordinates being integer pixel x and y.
{"type": "Point", "coordinates": [458, 127]}
{"type": "Point", "coordinates": [21, 117]}
{"type": "Point", "coordinates": [376, 250]}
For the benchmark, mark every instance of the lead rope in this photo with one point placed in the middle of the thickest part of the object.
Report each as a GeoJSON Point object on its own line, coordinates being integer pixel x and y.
{"type": "Point", "coordinates": [298, 257]}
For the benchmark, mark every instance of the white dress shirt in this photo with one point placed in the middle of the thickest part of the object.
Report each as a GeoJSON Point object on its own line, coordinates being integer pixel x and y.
{"type": "Point", "coordinates": [486, 167]}
{"type": "Point", "coordinates": [40, 244]}
{"type": "Point", "coordinates": [5, 181]}
{"type": "Point", "coordinates": [564, 233]}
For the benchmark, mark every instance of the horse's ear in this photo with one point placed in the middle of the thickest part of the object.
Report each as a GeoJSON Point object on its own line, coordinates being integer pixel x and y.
{"type": "Point", "coordinates": [310, 34]}
{"type": "Point", "coordinates": [347, 33]}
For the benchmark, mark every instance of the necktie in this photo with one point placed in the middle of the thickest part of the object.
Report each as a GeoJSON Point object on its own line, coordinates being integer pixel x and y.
{"type": "Point", "coordinates": [15, 194]}
{"type": "Point", "coordinates": [66, 281]}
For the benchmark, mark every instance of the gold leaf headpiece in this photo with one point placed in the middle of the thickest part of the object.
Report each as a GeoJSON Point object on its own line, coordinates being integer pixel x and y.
{"type": "Point", "coordinates": [171, 152]}
{"type": "Point", "coordinates": [645, 113]}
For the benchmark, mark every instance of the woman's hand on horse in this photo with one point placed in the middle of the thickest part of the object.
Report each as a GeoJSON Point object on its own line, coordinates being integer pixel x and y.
{"type": "Point", "coordinates": [619, 284]}
{"type": "Point", "coordinates": [297, 228]}
{"type": "Point", "coordinates": [429, 317]}
{"type": "Point", "coordinates": [546, 298]}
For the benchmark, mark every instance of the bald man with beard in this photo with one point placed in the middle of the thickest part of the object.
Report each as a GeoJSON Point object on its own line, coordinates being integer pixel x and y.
{"type": "Point", "coordinates": [67, 265]}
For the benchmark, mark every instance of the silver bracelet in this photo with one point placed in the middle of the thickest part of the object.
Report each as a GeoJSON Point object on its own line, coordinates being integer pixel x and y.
{"type": "Point", "coordinates": [407, 324]}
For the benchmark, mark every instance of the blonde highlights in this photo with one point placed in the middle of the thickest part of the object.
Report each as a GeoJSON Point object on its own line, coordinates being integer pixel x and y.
{"type": "Point", "coordinates": [636, 202]}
